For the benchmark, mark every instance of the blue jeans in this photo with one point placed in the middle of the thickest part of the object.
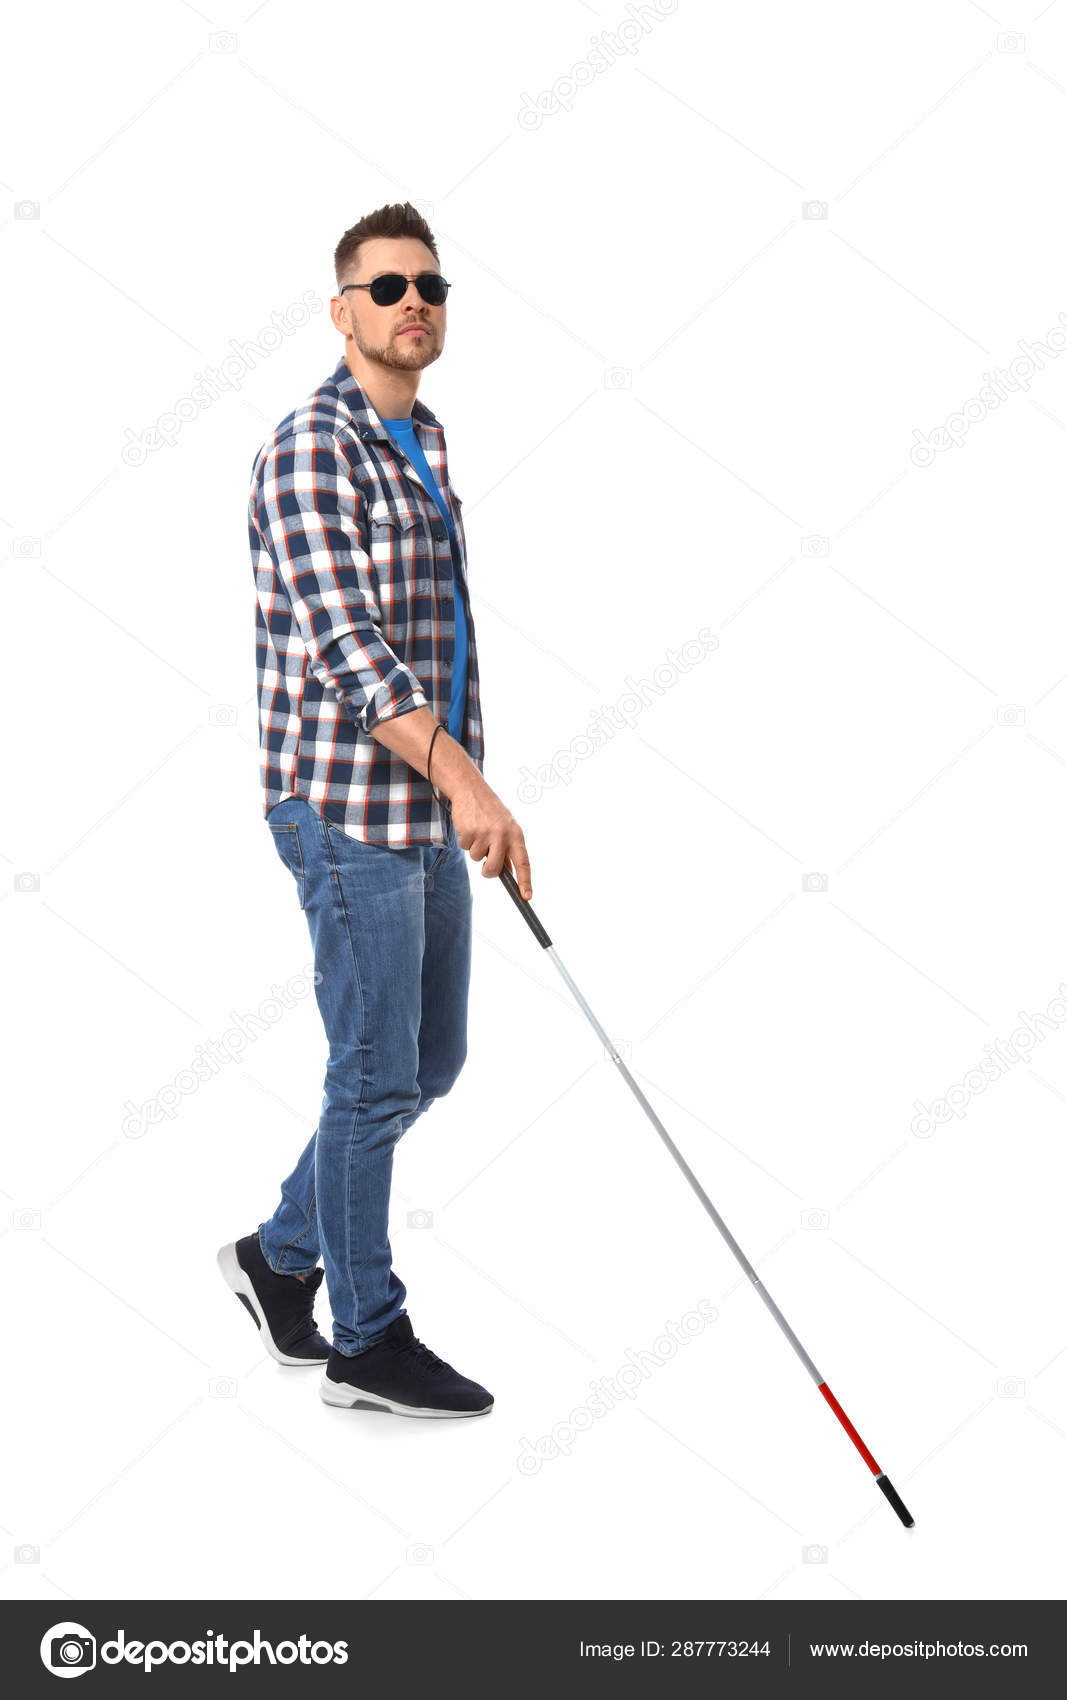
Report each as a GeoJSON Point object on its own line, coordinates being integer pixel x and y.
{"type": "Point", "coordinates": [391, 933]}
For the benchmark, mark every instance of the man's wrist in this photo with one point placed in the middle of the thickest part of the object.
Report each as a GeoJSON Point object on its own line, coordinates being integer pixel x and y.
{"type": "Point", "coordinates": [409, 735]}
{"type": "Point", "coordinates": [450, 768]}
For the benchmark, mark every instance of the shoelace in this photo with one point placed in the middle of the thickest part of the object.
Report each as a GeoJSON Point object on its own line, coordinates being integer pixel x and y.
{"type": "Point", "coordinates": [303, 1325]}
{"type": "Point", "coordinates": [427, 1359]}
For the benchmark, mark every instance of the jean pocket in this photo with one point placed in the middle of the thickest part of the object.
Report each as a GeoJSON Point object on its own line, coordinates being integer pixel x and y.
{"type": "Point", "coordinates": [287, 843]}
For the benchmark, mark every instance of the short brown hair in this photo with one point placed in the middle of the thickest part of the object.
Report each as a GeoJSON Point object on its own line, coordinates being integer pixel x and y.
{"type": "Point", "coordinates": [398, 219]}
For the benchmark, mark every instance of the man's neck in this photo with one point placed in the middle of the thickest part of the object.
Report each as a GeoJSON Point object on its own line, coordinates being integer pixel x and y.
{"type": "Point", "coordinates": [391, 393]}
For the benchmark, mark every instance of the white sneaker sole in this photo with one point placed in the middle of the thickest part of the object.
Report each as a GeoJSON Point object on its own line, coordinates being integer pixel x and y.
{"type": "Point", "coordinates": [343, 1395]}
{"type": "Point", "coordinates": [238, 1282]}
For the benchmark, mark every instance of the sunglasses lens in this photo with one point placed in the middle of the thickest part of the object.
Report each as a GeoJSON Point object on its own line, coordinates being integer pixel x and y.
{"type": "Point", "coordinates": [432, 287]}
{"type": "Point", "coordinates": [386, 291]}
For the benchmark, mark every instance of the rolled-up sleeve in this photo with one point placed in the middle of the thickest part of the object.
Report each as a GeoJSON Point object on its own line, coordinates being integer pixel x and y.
{"type": "Point", "coordinates": [308, 512]}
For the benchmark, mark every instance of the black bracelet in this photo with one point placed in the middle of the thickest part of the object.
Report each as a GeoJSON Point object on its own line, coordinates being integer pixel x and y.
{"type": "Point", "coordinates": [429, 753]}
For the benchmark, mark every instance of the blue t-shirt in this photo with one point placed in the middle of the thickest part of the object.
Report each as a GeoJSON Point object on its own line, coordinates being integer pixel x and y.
{"type": "Point", "coordinates": [403, 432]}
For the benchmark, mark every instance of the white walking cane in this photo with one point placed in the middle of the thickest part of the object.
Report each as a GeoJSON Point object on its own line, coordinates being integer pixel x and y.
{"type": "Point", "coordinates": [543, 939]}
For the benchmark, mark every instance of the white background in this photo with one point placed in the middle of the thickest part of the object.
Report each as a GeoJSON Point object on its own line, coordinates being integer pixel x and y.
{"type": "Point", "coordinates": [660, 378]}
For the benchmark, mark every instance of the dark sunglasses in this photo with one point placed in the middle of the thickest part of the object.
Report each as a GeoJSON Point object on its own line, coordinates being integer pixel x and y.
{"type": "Point", "coordinates": [387, 290]}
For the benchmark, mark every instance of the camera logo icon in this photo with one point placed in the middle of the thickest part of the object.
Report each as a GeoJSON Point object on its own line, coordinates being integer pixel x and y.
{"type": "Point", "coordinates": [618, 378]}
{"type": "Point", "coordinates": [815, 1554]}
{"type": "Point", "coordinates": [814, 882]}
{"type": "Point", "coordinates": [420, 1218]}
{"type": "Point", "coordinates": [1011, 1387]}
{"type": "Point", "coordinates": [814, 209]}
{"type": "Point", "coordinates": [68, 1649]}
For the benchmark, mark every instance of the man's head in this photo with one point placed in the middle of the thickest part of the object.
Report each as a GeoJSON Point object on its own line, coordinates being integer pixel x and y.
{"type": "Point", "coordinates": [393, 240]}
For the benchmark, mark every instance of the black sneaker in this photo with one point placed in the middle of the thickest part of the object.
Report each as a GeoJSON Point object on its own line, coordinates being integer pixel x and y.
{"type": "Point", "coordinates": [398, 1373]}
{"type": "Point", "coordinates": [282, 1308]}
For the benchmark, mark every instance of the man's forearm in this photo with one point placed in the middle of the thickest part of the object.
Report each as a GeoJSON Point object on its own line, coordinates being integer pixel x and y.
{"type": "Point", "coordinates": [485, 826]}
{"type": "Point", "coordinates": [408, 735]}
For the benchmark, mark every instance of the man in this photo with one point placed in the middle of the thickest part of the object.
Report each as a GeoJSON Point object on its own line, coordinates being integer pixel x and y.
{"type": "Point", "coordinates": [366, 655]}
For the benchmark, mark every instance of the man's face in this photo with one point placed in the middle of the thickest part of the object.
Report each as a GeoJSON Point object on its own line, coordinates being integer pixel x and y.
{"type": "Point", "coordinates": [381, 333]}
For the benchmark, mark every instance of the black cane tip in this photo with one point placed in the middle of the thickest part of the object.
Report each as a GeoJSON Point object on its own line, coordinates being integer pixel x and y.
{"type": "Point", "coordinates": [896, 1502]}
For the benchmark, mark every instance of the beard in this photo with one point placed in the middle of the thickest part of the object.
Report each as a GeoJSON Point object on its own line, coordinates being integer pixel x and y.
{"type": "Point", "coordinates": [401, 353]}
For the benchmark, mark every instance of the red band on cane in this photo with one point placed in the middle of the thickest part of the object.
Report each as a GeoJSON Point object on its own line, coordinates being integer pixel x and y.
{"type": "Point", "coordinates": [849, 1430]}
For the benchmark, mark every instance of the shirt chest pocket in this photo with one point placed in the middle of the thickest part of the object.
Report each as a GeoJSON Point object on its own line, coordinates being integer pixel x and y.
{"type": "Point", "coordinates": [400, 553]}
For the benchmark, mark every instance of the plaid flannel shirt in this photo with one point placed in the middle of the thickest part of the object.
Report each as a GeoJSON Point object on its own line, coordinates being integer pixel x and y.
{"type": "Point", "coordinates": [355, 619]}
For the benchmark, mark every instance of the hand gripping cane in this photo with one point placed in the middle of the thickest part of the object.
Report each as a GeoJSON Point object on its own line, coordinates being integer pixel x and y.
{"type": "Point", "coordinates": [545, 942]}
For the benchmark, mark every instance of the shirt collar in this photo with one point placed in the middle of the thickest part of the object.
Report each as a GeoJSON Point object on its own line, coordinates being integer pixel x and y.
{"type": "Point", "coordinates": [356, 403]}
